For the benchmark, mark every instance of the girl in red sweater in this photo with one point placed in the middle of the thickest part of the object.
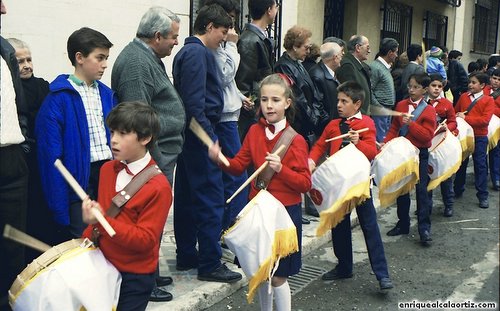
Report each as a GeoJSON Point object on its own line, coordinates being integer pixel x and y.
{"type": "Point", "coordinates": [291, 174]}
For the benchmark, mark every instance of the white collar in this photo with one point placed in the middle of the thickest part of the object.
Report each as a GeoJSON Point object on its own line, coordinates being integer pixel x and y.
{"type": "Point", "coordinates": [478, 94]}
{"type": "Point", "coordinates": [278, 127]}
{"type": "Point", "coordinates": [138, 165]}
{"type": "Point", "coordinates": [330, 71]}
{"type": "Point", "coordinates": [358, 115]}
{"type": "Point", "coordinates": [386, 64]}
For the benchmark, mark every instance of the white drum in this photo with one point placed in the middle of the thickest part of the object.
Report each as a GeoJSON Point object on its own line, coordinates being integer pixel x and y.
{"type": "Point", "coordinates": [263, 233]}
{"type": "Point", "coordinates": [395, 169]}
{"type": "Point", "coordinates": [70, 276]}
{"type": "Point", "coordinates": [445, 157]}
{"type": "Point", "coordinates": [466, 138]}
{"type": "Point", "coordinates": [340, 184]}
{"type": "Point", "coordinates": [493, 132]}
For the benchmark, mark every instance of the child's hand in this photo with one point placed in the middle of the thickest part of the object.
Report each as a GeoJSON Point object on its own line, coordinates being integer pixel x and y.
{"type": "Point", "coordinates": [354, 137]}
{"type": "Point", "coordinates": [312, 165]}
{"type": "Point", "coordinates": [274, 162]}
{"type": "Point", "coordinates": [213, 152]}
{"type": "Point", "coordinates": [248, 104]}
{"type": "Point", "coordinates": [87, 214]}
{"type": "Point", "coordinates": [461, 115]}
{"type": "Point", "coordinates": [406, 119]}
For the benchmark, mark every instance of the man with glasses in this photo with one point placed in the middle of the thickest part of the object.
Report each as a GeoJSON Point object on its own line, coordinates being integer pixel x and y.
{"type": "Point", "coordinates": [353, 68]}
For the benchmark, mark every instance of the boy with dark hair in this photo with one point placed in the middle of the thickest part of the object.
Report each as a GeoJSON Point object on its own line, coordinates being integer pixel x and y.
{"type": "Point", "coordinates": [476, 108]}
{"type": "Point", "coordinates": [494, 155]}
{"type": "Point", "coordinates": [257, 57]}
{"type": "Point", "coordinates": [350, 98]}
{"type": "Point", "coordinates": [134, 250]}
{"type": "Point", "coordinates": [70, 126]}
{"type": "Point", "coordinates": [417, 123]}
{"type": "Point", "coordinates": [444, 111]}
{"type": "Point", "coordinates": [199, 193]}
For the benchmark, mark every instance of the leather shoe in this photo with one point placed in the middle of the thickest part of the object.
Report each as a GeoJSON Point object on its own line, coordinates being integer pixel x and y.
{"type": "Point", "coordinates": [221, 274]}
{"type": "Point", "coordinates": [159, 294]}
{"type": "Point", "coordinates": [496, 185]}
{"type": "Point", "coordinates": [397, 231]}
{"type": "Point", "coordinates": [309, 208]}
{"type": "Point", "coordinates": [180, 267]}
{"type": "Point", "coordinates": [425, 238]}
{"type": "Point", "coordinates": [448, 212]}
{"type": "Point", "coordinates": [458, 195]}
{"type": "Point", "coordinates": [484, 204]}
{"type": "Point", "coordinates": [163, 281]}
{"type": "Point", "coordinates": [335, 275]}
{"type": "Point", "coordinates": [305, 221]}
{"type": "Point", "coordinates": [385, 283]}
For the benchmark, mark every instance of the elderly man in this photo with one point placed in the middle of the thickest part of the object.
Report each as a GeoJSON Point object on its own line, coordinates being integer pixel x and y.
{"type": "Point", "coordinates": [353, 67]}
{"type": "Point", "coordinates": [383, 92]}
{"type": "Point", "coordinates": [323, 76]}
{"type": "Point", "coordinates": [139, 75]}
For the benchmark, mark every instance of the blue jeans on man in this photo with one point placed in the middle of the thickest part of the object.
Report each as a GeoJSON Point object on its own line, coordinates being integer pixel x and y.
{"type": "Point", "coordinates": [382, 125]}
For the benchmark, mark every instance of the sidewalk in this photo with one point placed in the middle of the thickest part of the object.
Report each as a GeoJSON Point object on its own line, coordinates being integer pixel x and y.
{"type": "Point", "coordinates": [192, 295]}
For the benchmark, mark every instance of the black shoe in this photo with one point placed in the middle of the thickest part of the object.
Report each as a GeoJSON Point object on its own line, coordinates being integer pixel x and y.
{"type": "Point", "coordinates": [458, 195]}
{"type": "Point", "coordinates": [448, 212]}
{"type": "Point", "coordinates": [496, 185]}
{"type": "Point", "coordinates": [221, 274]}
{"type": "Point", "coordinates": [425, 238]}
{"type": "Point", "coordinates": [310, 209]}
{"type": "Point", "coordinates": [163, 281]}
{"type": "Point", "coordinates": [159, 294]}
{"type": "Point", "coordinates": [305, 221]}
{"type": "Point", "coordinates": [335, 275]}
{"type": "Point", "coordinates": [484, 204]}
{"type": "Point", "coordinates": [180, 267]}
{"type": "Point", "coordinates": [385, 283]}
{"type": "Point", "coordinates": [397, 231]}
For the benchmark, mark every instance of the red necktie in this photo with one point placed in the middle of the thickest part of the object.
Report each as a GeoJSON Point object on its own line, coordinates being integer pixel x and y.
{"type": "Point", "coordinates": [271, 128]}
{"type": "Point", "coordinates": [119, 166]}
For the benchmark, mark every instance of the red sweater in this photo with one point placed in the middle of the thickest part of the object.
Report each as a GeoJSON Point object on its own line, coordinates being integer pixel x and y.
{"type": "Point", "coordinates": [480, 115]}
{"type": "Point", "coordinates": [497, 103]}
{"type": "Point", "coordinates": [366, 142]}
{"type": "Point", "coordinates": [294, 177]}
{"type": "Point", "coordinates": [420, 132]}
{"type": "Point", "coordinates": [444, 109]}
{"type": "Point", "coordinates": [135, 247]}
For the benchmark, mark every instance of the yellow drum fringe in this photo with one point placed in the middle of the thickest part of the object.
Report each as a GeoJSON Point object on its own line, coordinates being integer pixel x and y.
{"type": "Point", "coordinates": [493, 141]}
{"type": "Point", "coordinates": [333, 216]}
{"type": "Point", "coordinates": [436, 182]}
{"type": "Point", "coordinates": [406, 169]}
{"type": "Point", "coordinates": [285, 243]}
{"type": "Point", "coordinates": [467, 147]}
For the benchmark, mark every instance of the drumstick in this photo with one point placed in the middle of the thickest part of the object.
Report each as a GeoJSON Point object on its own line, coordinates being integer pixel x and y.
{"type": "Point", "coordinates": [252, 177]}
{"type": "Point", "coordinates": [382, 111]}
{"type": "Point", "coordinates": [12, 233]}
{"type": "Point", "coordinates": [440, 126]}
{"type": "Point", "coordinates": [347, 134]}
{"type": "Point", "coordinates": [82, 195]}
{"type": "Point", "coordinates": [203, 136]}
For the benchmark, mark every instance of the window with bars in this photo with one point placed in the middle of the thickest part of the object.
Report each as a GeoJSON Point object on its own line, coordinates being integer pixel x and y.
{"type": "Point", "coordinates": [334, 18]}
{"type": "Point", "coordinates": [435, 29]}
{"type": "Point", "coordinates": [396, 19]}
{"type": "Point", "coordinates": [485, 26]}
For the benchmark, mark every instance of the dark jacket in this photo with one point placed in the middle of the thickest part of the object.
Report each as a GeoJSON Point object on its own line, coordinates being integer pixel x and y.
{"type": "Point", "coordinates": [327, 87]}
{"type": "Point", "coordinates": [311, 116]}
{"type": "Point", "coordinates": [410, 69]}
{"type": "Point", "coordinates": [457, 79]}
{"type": "Point", "coordinates": [352, 70]}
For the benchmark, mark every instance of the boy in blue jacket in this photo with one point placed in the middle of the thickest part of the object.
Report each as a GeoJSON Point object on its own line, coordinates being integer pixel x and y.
{"type": "Point", "coordinates": [70, 126]}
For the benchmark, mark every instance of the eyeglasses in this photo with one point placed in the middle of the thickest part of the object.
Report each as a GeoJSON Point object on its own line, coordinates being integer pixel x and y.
{"type": "Point", "coordinates": [414, 87]}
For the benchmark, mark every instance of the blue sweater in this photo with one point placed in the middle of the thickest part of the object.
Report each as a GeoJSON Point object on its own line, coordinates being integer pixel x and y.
{"type": "Point", "coordinates": [62, 132]}
{"type": "Point", "coordinates": [197, 78]}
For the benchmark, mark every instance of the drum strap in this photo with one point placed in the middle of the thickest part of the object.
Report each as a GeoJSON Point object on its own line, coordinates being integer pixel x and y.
{"type": "Point", "coordinates": [474, 102]}
{"type": "Point", "coordinates": [416, 114]}
{"type": "Point", "coordinates": [496, 94]}
{"type": "Point", "coordinates": [286, 139]}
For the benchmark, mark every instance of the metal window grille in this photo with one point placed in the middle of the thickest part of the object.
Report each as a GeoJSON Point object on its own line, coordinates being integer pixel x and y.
{"type": "Point", "coordinates": [396, 22]}
{"type": "Point", "coordinates": [334, 18]}
{"type": "Point", "coordinates": [435, 29]}
{"type": "Point", "coordinates": [485, 26]}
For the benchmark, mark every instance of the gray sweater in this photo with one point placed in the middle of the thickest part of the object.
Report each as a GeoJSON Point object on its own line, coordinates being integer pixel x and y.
{"type": "Point", "coordinates": [383, 92]}
{"type": "Point", "coordinates": [139, 75]}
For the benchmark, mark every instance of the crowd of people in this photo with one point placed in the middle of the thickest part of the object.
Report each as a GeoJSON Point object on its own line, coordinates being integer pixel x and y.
{"type": "Point", "coordinates": [248, 104]}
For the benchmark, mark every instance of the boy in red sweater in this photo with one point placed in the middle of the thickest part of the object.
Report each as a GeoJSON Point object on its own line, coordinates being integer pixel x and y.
{"type": "Point", "coordinates": [135, 247]}
{"type": "Point", "coordinates": [419, 130]}
{"type": "Point", "coordinates": [476, 108]}
{"type": "Point", "coordinates": [444, 111]}
{"type": "Point", "coordinates": [350, 98]}
{"type": "Point", "coordinates": [494, 155]}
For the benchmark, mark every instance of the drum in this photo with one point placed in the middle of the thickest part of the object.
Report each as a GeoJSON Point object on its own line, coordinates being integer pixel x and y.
{"type": "Point", "coordinates": [493, 132]}
{"type": "Point", "coordinates": [445, 157]}
{"type": "Point", "coordinates": [395, 169]}
{"type": "Point", "coordinates": [70, 276]}
{"type": "Point", "coordinates": [340, 184]}
{"type": "Point", "coordinates": [466, 138]}
{"type": "Point", "coordinates": [263, 233]}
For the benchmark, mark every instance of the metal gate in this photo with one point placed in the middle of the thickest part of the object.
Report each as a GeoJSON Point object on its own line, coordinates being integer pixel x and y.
{"type": "Point", "coordinates": [435, 29]}
{"type": "Point", "coordinates": [334, 18]}
{"type": "Point", "coordinates": [396, 23]}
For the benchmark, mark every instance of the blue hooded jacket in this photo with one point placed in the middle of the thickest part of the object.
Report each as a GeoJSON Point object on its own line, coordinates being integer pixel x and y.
{"type": "Point", "coordinates": [62, 132]}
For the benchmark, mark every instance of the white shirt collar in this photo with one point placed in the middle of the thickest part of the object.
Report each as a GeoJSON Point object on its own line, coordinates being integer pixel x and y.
{"type": "Point", "coordinates": [358, 115]}
{"type": "Point", "coordinates": [386, 64]}
{"type": "Point", "coordinates": [278, 127]}
{"type": "Point", "coordinates": [123, 178]}
{"type": "Point", "coordinates": [477, 94]}
{"type": "Point", "coordinates": [330, 71]}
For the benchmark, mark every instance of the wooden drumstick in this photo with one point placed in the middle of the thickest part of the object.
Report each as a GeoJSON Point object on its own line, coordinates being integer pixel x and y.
{"type": "Point", "coordinates": [254, 175]}
{"type": "Point", "coordinates": [12, 233]}
{"type": "Point", "coordinates": [382, 111]}
{"type": "Point", "coordinates": [443, 123]}
{"type": "Point", "coordinates": [346, 135]}
{"type": "Point", "coordinates": [203, 136]}
{"type": "Point", "coordinates": [82, 195]}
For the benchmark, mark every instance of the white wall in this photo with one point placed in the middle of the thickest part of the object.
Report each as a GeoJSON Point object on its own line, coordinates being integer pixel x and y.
{"type": "Point", "coordinates": [46, 25]}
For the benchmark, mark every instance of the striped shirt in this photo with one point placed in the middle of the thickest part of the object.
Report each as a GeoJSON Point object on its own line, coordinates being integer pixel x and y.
{"type": "Point", "coordinates": [99, 148]}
